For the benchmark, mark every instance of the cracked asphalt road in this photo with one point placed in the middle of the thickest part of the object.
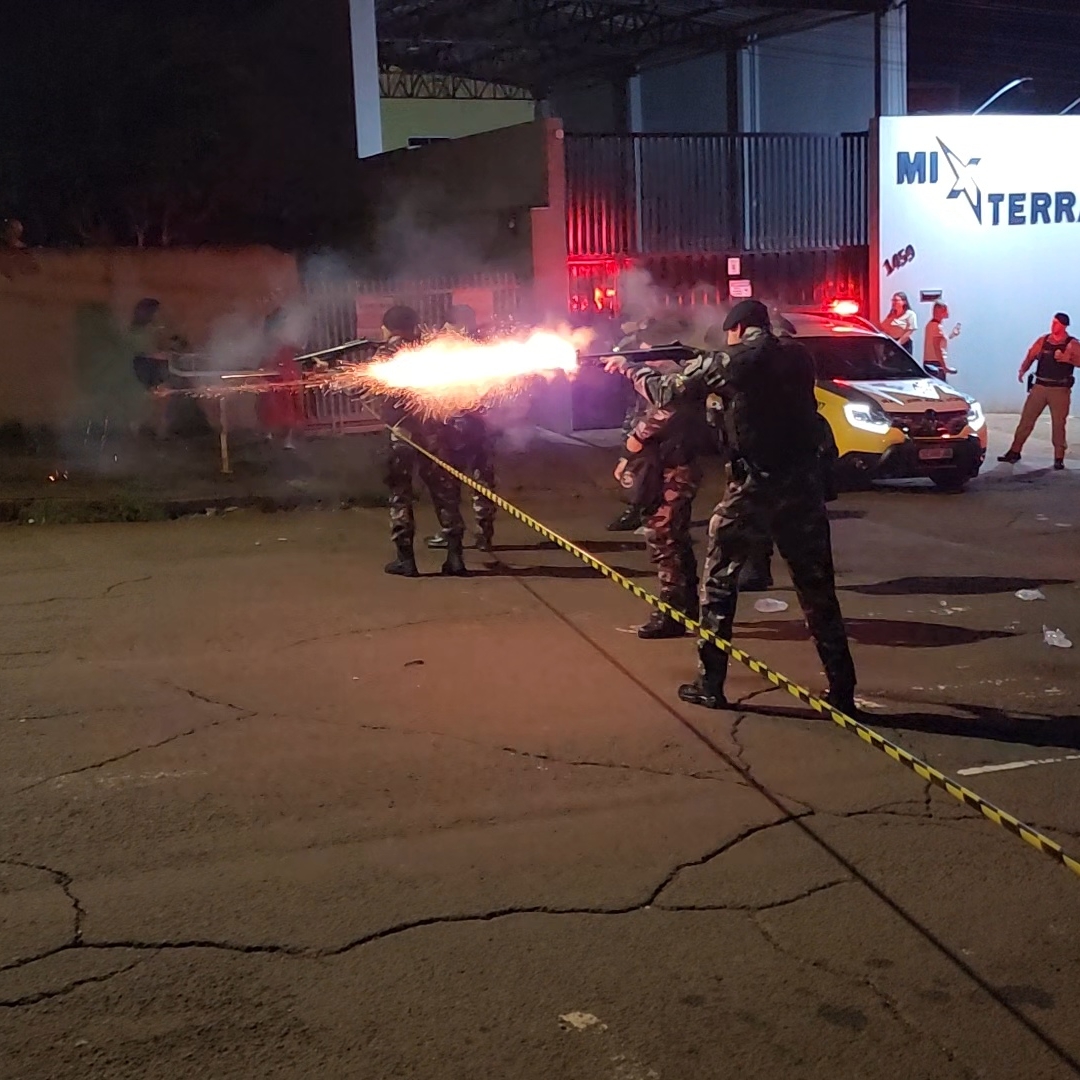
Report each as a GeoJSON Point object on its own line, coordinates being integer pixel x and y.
{"type": "Point", "coordinates": [267, 812]}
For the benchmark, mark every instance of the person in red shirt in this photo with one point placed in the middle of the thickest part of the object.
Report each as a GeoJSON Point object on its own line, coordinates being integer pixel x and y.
{"type": "Point", "coordinates": [280, 410]}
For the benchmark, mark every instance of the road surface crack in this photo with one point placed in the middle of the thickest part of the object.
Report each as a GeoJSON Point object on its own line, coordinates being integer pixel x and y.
{"type": "Point", "coordinates": [238, 714]}
{"type": "Point", "coordinates": [105, 594]}
{"type": "Point", "coordinates": [64, 881]}
{"type": "Point", "coordinates": [618, 765]}
{"type": "Point", "coordinates": [78, 940]}
{"type": "Point", "coordinates": [537, 755]}
{"type": "Point", "coordinates": [770, 906]}
{"type": "Point", "coordinates": [67, 988]}
{"type": "Point", "coordinates": [887, 1001]}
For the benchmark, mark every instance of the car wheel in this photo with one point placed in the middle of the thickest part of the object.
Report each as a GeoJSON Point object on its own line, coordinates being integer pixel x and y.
{"type": "Point", "coordinates": [951, 480]}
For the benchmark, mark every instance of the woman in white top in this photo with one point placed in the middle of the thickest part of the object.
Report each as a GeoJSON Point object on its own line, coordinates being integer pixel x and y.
{"type": "Point", "coordinates": [900, 323]}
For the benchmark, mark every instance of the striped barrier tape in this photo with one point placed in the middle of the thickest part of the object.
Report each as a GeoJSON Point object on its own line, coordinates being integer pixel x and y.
{"type": "Point", "coordinates": [927, 772]}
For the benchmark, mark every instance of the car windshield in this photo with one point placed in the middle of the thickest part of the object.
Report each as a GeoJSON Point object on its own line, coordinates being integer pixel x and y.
{"type": "Point", "coordinates": [861, 358]}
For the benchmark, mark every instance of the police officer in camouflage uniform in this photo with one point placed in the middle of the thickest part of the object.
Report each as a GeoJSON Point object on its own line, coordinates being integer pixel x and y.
{"type": "Point", "coordinates": [474, 446]}
{"type": "Point", "coordinates": [401, 327]}
{"type": "Point", "coordinates": [770, 415]}
{"type": "Point", "coordinates": [669, 441]}
{"type": "Point", "coordinates": [636, 335]}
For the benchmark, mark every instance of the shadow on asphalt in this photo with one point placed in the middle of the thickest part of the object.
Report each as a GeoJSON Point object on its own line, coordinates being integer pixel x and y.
{"type": "Point", "coordinates": [950, 586]}
{"type": "Point", "coordinates": [978, 722]}
{"type": "Point", "coordinates": [597, 547]}
{"type": "Point", "coordinates": [895, 633]}
{"type": "Point", "coordinates": [574, 572]}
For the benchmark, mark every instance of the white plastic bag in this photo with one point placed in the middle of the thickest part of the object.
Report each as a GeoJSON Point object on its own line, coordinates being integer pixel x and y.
{"type": "Point", "coordinates": [1030, 594]}
{"type": "Point", "coordinates": [768, 606]}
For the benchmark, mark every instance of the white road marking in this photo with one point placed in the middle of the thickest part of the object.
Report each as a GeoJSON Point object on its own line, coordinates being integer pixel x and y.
{"type": "Point", "coordinates": [1006, 766]}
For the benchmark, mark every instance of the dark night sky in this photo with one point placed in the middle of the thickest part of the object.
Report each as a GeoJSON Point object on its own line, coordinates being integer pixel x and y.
{"type": "Point", "coordinates": [244, 106]}
{"type": "Point", "coordinates": [983, 44]}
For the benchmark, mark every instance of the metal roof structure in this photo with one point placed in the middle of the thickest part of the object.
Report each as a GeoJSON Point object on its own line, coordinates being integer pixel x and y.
{"type": "Point", "coordinates": [534, 44]}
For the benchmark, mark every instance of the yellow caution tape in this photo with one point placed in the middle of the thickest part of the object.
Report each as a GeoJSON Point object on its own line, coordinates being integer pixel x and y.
{"type": "Point", "coordinates": [898, 754]}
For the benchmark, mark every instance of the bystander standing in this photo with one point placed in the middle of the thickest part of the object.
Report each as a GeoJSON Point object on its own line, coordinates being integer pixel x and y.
{"type": "Point", "coordinates": [1056, 356]}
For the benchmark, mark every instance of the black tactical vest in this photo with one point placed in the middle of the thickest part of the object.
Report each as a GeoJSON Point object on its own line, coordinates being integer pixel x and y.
{"type": "Point", "coordinates": [1051, 372]}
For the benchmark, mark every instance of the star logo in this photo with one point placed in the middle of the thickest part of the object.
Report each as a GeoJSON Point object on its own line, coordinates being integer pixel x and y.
{"type": "Point", "coordinates": [965, 183]}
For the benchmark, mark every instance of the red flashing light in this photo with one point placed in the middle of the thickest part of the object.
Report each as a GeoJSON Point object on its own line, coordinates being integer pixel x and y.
{"type": "Point", "coordinates": [844, 307]}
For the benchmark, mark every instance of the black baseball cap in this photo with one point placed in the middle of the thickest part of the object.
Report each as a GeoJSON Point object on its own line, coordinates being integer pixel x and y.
{"type": "Point", "coordinates": [1062, 318]}
{"type": "Point", "coordinates": [748, 313]}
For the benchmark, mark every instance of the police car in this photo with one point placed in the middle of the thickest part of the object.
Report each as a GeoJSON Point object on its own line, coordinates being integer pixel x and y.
{"type": "Point", "coordinates": [891, 419]}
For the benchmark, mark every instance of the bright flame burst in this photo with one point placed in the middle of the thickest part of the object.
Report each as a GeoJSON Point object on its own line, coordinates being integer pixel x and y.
{"type": "Point", "coordinates": [450, 374]}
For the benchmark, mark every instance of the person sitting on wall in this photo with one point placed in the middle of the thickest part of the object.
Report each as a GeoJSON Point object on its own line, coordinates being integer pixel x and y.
{"type": "Point", "coordinates": [150, 345]}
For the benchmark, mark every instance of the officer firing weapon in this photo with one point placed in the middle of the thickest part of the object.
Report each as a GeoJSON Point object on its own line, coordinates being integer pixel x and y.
{"type": "Point", "coordinates": [676, 352]}
{"type": "Point", "coordinates": [359, 343]}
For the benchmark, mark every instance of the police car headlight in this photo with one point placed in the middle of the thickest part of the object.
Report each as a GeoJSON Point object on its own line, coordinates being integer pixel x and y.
{"type": "Point", "coordinates": [867, 417]}
{"type": "Point", "coordinates": [976, 418]}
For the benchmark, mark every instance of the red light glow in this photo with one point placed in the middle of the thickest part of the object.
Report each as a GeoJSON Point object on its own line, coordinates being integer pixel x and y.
{"type": "Point", "coordinates": [844, 307]}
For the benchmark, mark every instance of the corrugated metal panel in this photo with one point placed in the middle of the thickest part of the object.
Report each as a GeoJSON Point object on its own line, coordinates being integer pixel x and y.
{"type": "Point", "coordinates": [334, 305]}
{"type": "Point", "coordinates": [691, 194]}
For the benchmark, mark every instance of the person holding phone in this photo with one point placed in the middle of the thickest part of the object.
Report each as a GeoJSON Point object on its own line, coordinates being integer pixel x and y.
{"type": "Point", "coordinates": [901, 323]}
{"type": "Point", "coordinates": [936, 343]}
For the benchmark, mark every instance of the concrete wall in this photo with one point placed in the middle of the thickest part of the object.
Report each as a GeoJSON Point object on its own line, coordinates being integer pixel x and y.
{"type": "Point", "coordinates": [405, 118]}
{"type": "Point", "coordinates": [49, 300]}
{"type": "Point", "coordinates": [819, 81]}
{"type": "Point", "coordinates": [458, 207]}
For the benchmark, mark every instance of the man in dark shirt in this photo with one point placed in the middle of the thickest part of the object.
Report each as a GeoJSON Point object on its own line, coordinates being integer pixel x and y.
{"type": "Point", "coordinates": [774, 436]}
{"type": "Point", "coordinates": [1056, 357]}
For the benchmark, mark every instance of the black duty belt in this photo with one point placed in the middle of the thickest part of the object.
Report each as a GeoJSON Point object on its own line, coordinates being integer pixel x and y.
{"type": "Point", "coordinates": [1055, 383]}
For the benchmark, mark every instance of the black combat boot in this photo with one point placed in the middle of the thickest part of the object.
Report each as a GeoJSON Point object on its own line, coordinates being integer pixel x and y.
{"type": "Point", "coordinates": [661, 625]}
{"type": "Point", "coordinates": [702, 692]}
{"type": "Point", "coordinates": [455, 558]}
{"type": "Point", "coordinates": [630, 519]}
{"type": "Point", "coordinates": [708, 689]}
{"type": "Point", "coordinates": [437, 541]}
{"type": "Point", "coordinates": [756, 574]}
{"type": "Point", "coordinates": [844, 701]}
{"type": "Point", "coordinates": [405, 563]}
{"type": "Point", "coordinates": [840, 671]}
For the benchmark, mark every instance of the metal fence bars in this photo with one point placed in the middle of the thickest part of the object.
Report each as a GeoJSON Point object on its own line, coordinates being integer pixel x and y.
{"type": "Point", "coordinates": [694, 194]}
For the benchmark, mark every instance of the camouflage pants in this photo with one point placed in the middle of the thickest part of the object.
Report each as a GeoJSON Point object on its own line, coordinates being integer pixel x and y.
{"type": "Point", "coordinates": [401, 466]}
{"type": "Point", "coordinates": [477, 459]}
{"type": "Point", "coordinates": [667, 536]}
{"type": "Point", "coordinates": [790, 510]}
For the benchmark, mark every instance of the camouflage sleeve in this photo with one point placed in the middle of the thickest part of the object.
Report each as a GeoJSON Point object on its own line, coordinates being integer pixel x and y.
{"type": "Point", "coordinates": [705, 374]}
{"type": "Point", "coordinates": [651, 424]}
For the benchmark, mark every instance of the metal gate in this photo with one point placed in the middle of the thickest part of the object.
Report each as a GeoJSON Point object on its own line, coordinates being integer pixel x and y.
{"type": "Point", "coordinates": [344, 309]}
